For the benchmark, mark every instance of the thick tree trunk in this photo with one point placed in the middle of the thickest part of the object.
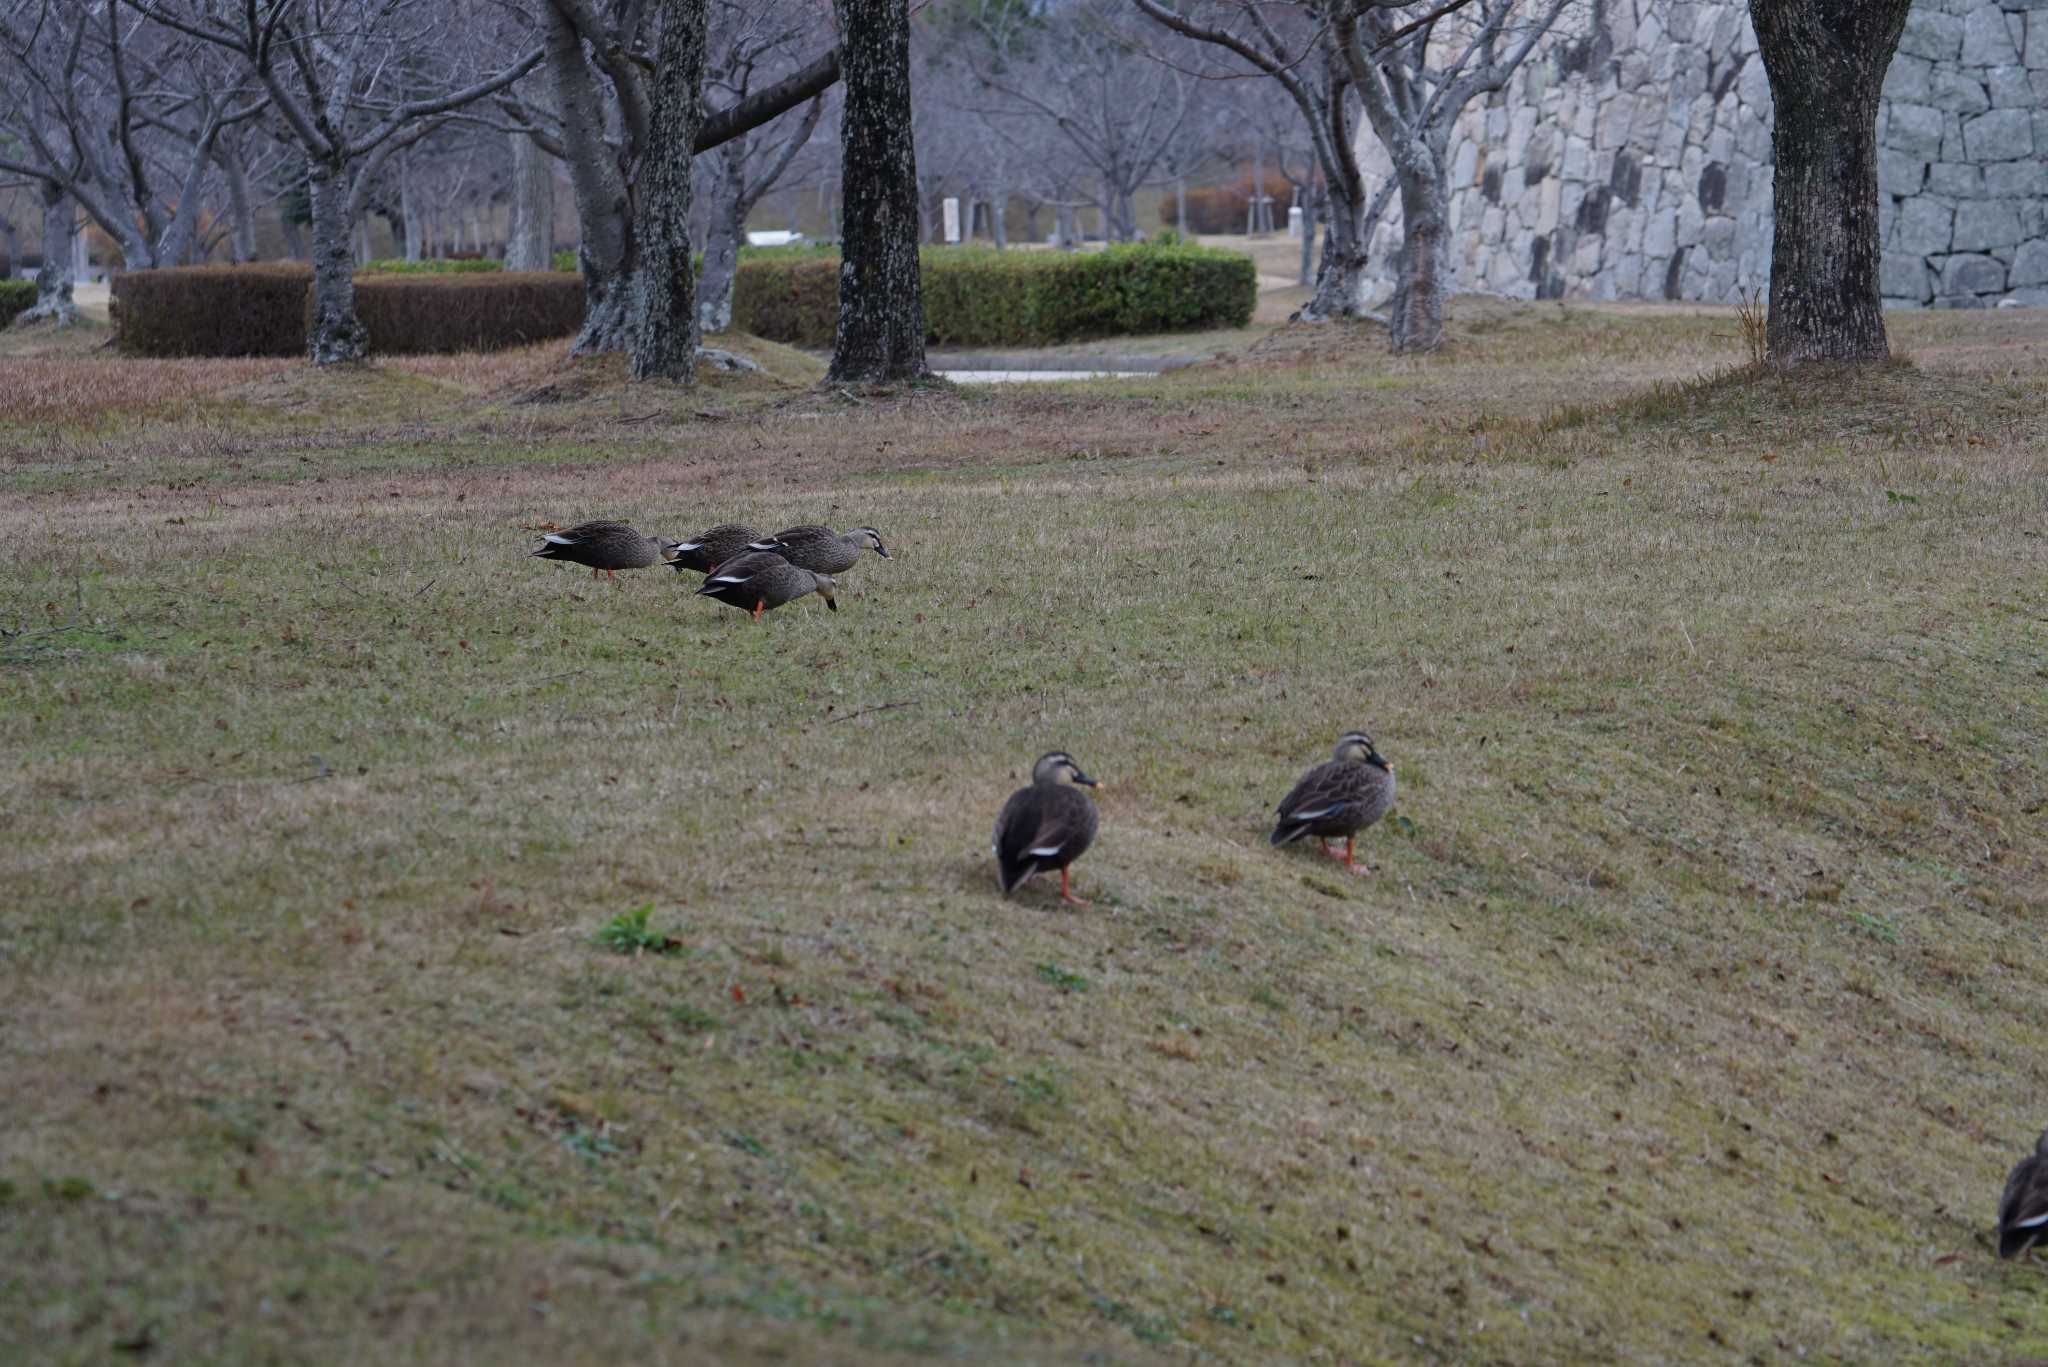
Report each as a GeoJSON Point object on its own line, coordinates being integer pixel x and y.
{"type": "Point", "coordinates": [1308, 239]}
{"type": "Point", "coordinates": [1416, 318]}
{"type": "Point", "coordinates": [1063, 229]}
{"type": "Point", "coordinates": [10, 246]}
{"type": "Point", "coordinates": [725, 222]}
{"type": "Point", "coordinates": [661, 294]}
{"type": "Point", "coordinates": [998, 211]}
{"type": "Point", "coordinates": [55, 277]}
{"type": "Point", "coordinates": [1180, 207]}
{"type": "Point", "coordinates": [1826, 60]}
{"type": "Point", "coordinates": [337, 334]}
{"type": "Point", "coordinates": [881, 299]}
{"type": "Point", "coordinates": [603, 246]}
{"type": "Point", "coordinates": [530, 229]}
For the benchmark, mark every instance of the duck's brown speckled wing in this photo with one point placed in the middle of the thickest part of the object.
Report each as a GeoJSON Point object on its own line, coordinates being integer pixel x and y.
{"type": "Point", "coordinates": [1337, 798]}
{"type": "Point", "coordinates": [707, 552]}
{"type": "Point", "coordinates": [1043, 826]}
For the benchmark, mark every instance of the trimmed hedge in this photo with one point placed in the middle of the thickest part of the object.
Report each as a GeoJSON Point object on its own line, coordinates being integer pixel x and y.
{"type": "Point", "coordinates": [257, 310]}
{"type": "Point", "coordinates": [264, 310]}
{"type": "Point", "coordinates": [16, 297]}
{"type": "Point", "coordinates": [448, 265]}
{"type": "Point", "coordinates": [982, 297]}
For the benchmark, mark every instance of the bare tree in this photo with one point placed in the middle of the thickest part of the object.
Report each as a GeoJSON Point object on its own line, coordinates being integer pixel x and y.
{"type": "Point", "coordinates": [1089, 75]}
{"type": "Point", "coordinates": [881, 301]}
{"type": "Point", "coordinates": [1825, 246]}
{"type": "Point", "coordinates": [118, 115]}
{"type": "Point", "coordinates": [353, 84]}
{"type": "Point", "coordinates": [751, 43]}
{"type": "Point", "coordinates": [1414, 68]}
{"type": "Point", "coordinates": [600, 69]}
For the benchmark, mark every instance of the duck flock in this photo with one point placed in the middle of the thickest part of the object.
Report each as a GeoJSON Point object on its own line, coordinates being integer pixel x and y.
{"type": "Point", "coordinates": [1049, 823]}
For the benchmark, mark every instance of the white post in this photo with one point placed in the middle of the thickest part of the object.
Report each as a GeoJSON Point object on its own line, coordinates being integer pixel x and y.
{"type": "Point", "coordinates": [952, 210]}
{"type": "Point", "coordinates": [1294, 221]}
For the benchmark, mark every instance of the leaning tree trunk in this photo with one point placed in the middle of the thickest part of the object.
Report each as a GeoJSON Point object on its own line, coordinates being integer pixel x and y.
{"type": "Point", "coordinates": [724, 221]}
{"type": "Point", "coordinates": [661, 294]}
{"type": "Point", "coordinates": [242, 229]}
{"type": "Point", "coordinates": [54, 277]}
{"type": "Point", "coordinates": [1308, 206]}
{"type": "Point", "coordinates": [1416, 317]}
{"type": "Point", "coordinates": [603, 249]}
{"type": "Point", "coordinates": [1826, 60]}
{"type": "Point", "coordinates": [530, 231]}
{"type": "Point", "coordinates": [337, 334]}
{"type": "Point", "coordinates": [881, 300]}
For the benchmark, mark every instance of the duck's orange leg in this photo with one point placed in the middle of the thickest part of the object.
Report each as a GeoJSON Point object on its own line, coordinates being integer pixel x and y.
{"type": "Point", "coordinates": [1067, 895]}
{"type": "Point", "coordinates": [760, 606]}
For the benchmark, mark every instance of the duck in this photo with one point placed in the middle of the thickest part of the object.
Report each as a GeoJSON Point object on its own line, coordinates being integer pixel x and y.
{"type": "Point", "coordinates": [1341, 796]}
{"type": "Point", "coordinates": [1047, 825]}
{"type": "Point", "coordinates": [2023, 1210]}
{"type": "Point", "coordinates": [604, 545]}
{"type": "Point", "coordinates": [822, 550]}
{"type": "Point", "coordinates": [760, 580]}
{"type": "Point", "coordinates": [706, 551]}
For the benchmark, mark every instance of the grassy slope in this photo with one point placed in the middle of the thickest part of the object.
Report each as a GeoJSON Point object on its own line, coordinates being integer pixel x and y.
{"type": "Point", "coordinates": [1694, 1001]}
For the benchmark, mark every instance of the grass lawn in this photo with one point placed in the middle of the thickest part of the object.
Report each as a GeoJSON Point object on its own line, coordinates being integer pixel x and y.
{"type": "Point", "coordinates": [1692, 1012]}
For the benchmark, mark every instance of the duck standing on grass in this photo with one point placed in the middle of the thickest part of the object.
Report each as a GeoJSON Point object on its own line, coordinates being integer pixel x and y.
{"type": "Point", "coordinates": [603, 545]}
{"type": "Point", "coordinates": [1341, 796]}
{"type": "Point", "coordinates": [706, 552]}
{"type": "Point", "coordinates": [822, 550]}
{"type": "Point", "coordinates": [758, 581]}
{"type": "Point", "coordinates": [2023, 1210]}
{"type": "Point", "coordinates": [1045, 826]}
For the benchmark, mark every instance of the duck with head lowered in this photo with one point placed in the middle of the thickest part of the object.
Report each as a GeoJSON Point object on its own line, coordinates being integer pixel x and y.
{"type": "Point", "coordinates": [760, 580]}
{"type": "Point", "coordinates": [604, 545]}
{"type": "Point", "coordinates": [822, 550]}
{"type": "Point", "coordinates": [1339, 797]}
{"type": "Point", "coordinates": [706, 551]}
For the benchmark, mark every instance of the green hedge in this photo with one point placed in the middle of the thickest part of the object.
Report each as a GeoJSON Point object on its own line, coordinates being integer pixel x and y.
{"type": "Point", "coordinates": [263, 310]}
{"type": "Point", "coordinates": [396, 265]}
{"type": "Point", "coordinates": [982, 297]}
{"type": "Point", "coordinates": [16, 297]}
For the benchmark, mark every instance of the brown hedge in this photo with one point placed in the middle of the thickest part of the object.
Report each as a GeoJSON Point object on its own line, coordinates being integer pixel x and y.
{"type": "Point", "coordinates": [264, 310]}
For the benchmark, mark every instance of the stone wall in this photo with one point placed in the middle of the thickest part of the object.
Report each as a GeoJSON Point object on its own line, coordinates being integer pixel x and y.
{"type": "Point", "coordinates": [1632, 159]}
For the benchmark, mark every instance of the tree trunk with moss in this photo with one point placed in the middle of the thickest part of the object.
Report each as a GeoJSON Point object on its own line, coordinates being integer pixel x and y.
{"type": "Point", "coordinates": [54, 278]}
{"type": "Point", "coordinates": [1826, 60]}
{"type": "Point", "coordinates": [881, 301]}
{"type": "Point", "coordinates": [661, 293]}
{"type": "Point", "coordinates": [336, 334]}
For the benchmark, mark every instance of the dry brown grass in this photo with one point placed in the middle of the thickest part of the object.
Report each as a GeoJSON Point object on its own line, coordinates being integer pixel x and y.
{"type": "Point", "coordinates": [1691, 1010]}
{"type": "Point", "coordinates": [36, 391]}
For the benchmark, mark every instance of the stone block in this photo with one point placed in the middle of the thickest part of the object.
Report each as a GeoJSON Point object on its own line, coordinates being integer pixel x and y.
{"type": "Point", "coordinates": [1914, 130]}
{"type": "Point", "coordinates": [1926, 225]}
{"type": "Point", "coordinates": [1465, 164]}
{"type": "Point", "coordinates": [2029, 265]}
{"type": "Point", "coordinates": [2021, 180]}
{"type": "Point", "coordinates": [1986, 40]}
{"type": "Point", "coordinates": [2012, 87]}
{"type": "Point", "coordinates": [2001, 135]}
{"type": "Point", "coordinates": [1971, 274]}
{"type": "Point", "coordinates": [1578, 158]}
{"type": "Point", "coordinates": [1754, 85]}
{"type": "Point", "coordinates": [1959, 301]}
{"type": "Point", "coordinates": [1691, 223]}
{"type": "Point", "coordinates": [1984, 225]}
{"type": "Point", "coordinates": [1931, 34]}
{"type": "Point", "coordinates": [1957, 93]}
{"type": "Point", "coordinates": [2037, 42]}
{"type": "Point", "coordinates": [1717, 239]}
{"type": "Point", "coordinates": [2025, 299]}
{"type": "Point", "coordinates": [1901, 275]}
{"type": "Point", "coordinates": [1900, 174]}
{"type": "Point", "coordinates": [1660, 235]}
{"type": "Point", "coordinates": [1753, 134]}
{"type": "Point", "coordinates": [1910, 79]}
{"type": "Point", "coordinates": [1957, 180]}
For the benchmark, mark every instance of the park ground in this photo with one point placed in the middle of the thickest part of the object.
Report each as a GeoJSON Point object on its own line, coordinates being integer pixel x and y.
{"type": "Point", "coordinates": [1691, 1012]}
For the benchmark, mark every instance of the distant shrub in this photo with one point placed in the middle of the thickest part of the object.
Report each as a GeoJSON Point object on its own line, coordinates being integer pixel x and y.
{"type": "Point", "coordinates": [450, 265]}
{"type": "Point", "coordinates": [16, 297]}
{"type": "Point", "coordinates": [1222, 208]}
{"type": "Point", "coordinates": [566, 261]}
{"type": "Point", "coordinates": [256, 310]}
{"type": "Point", "coordinates": [263, 310]}
{"type": "Point", "coordinates": [982, 297]}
